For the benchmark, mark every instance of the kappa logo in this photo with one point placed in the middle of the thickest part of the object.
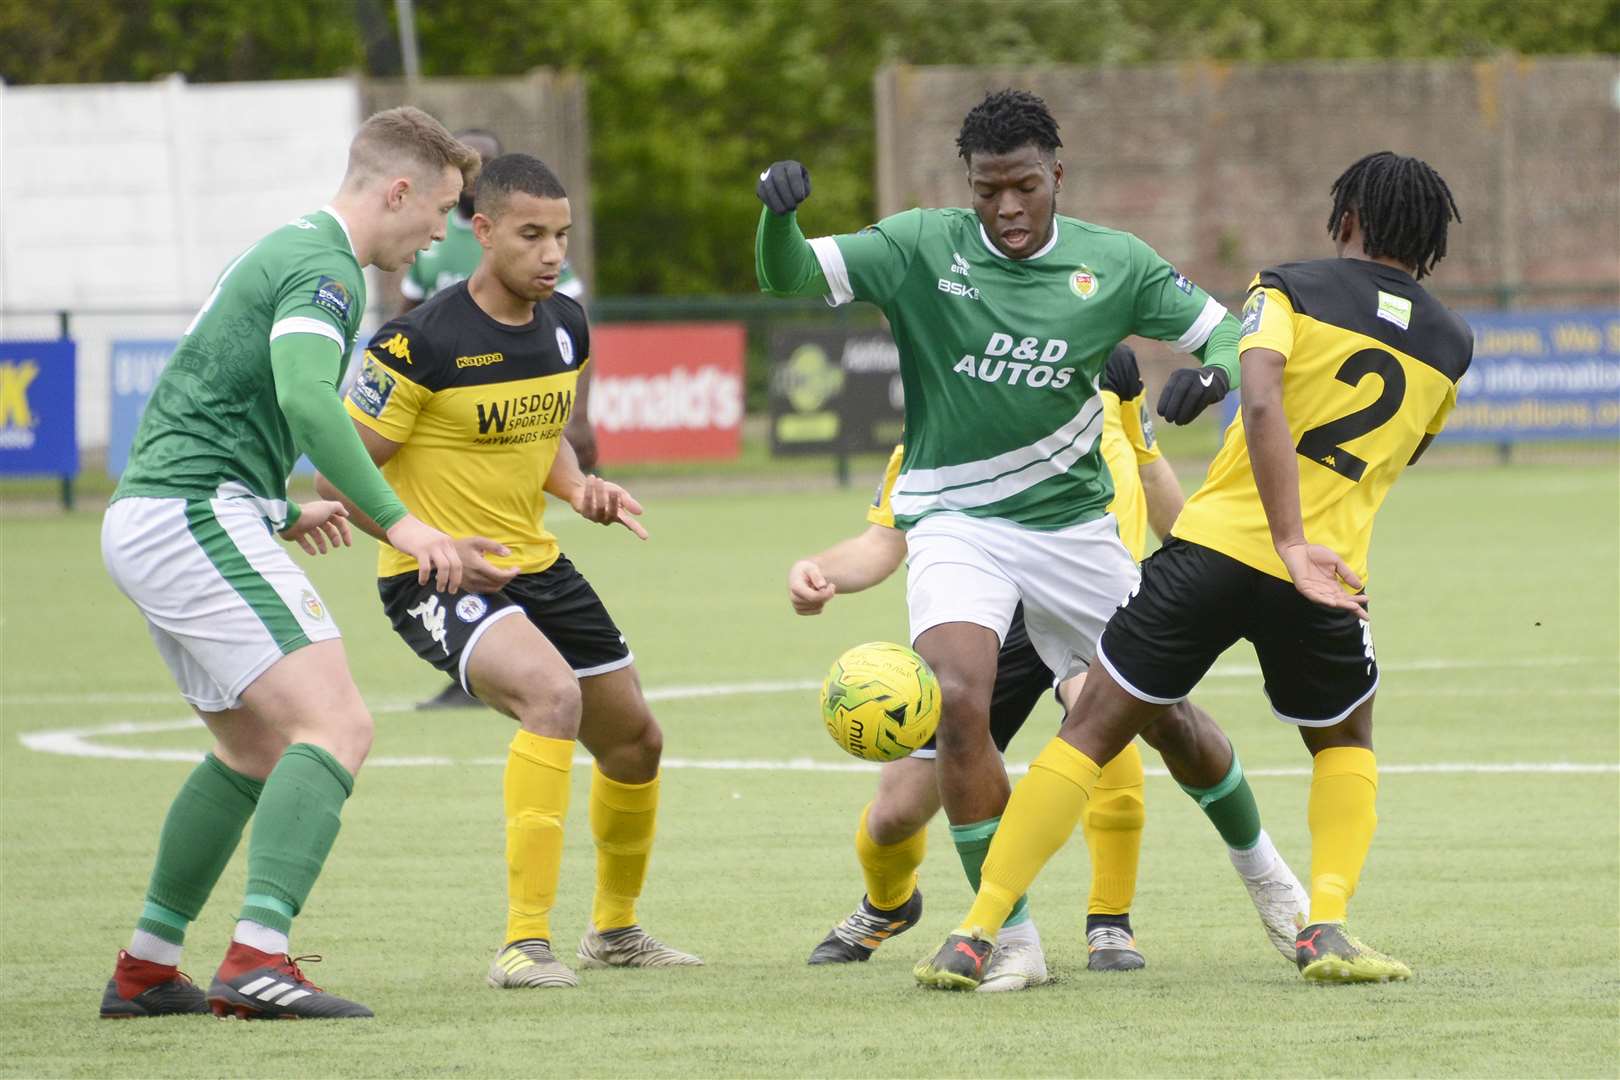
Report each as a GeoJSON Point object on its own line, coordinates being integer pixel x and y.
{"type": "Point", "coordinates": [481, 360]}
{"type": "Point", "coordinates": [399, 348]}
{"type": "Point", "coordinates": [302, 223]}
{"type": "Point", "coordinates": [431, 613]}
{"type": "Point", "coordinates": [958, 264]}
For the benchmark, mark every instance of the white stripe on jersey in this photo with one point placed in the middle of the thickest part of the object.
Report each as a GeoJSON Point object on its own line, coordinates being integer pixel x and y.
{"type": "Point", "coordinates": [1008, 484]}
{"type": "Point", "coordinates": [1199, 331]}
{"type": "Point", "coordinates": [300, 324]}
{"type": "Point", "coordinates": [833, 269]}
{"type": "Point", "coordinates": [919, 481]}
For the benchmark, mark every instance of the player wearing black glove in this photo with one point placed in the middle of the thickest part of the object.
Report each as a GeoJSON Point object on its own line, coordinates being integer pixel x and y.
{"type": "Point", "coordinates": [783, 186]}
{"type": "Point", "coordinates": [1121, 377]}
{"type": "Point", "coordinates": [1190, 391]}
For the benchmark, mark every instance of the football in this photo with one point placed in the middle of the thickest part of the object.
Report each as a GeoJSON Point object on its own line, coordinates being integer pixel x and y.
{"type": "Point", "coordinates": [880, 701]}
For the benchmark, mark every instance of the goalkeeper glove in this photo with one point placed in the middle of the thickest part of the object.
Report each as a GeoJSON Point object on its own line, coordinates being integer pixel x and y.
{"type": "Point", "coordinates": [1190, 391]}
{"type": "Point", "coordinates": [783, 186]}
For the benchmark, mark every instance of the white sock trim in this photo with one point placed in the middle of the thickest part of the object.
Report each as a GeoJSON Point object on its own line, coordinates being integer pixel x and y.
{"type": "Point", "coordinates": [150, 947]}
{"type": "Point", "coordinates": [1258, 860]}
{"type": "Point", "coordinates": [1024, 933]}
{"type": "Point", "coordinates": [257, 936]}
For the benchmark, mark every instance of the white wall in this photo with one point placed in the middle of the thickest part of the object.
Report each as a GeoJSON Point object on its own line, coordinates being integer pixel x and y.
{"type": "Point", "coordinates": [132, 197]}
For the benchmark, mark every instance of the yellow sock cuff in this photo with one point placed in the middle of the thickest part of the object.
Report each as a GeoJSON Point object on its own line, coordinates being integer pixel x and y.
{"type": "Point", "coordinates": [625, 798]}
{"type": "Point", "coordinates": [542, 750]}
{"type": "Point", "coordinates": [1346, 761]}
{"type": "Point", "coordinates": [1125, 771]}
{"type": "Point", "coordinates": [1059, 757]}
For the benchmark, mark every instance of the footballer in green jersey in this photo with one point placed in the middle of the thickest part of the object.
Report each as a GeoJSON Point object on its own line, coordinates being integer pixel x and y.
{"type": "Point", "coordinates": [190, 538]}
{"type": "Point", "coordinates": [1004, 315]}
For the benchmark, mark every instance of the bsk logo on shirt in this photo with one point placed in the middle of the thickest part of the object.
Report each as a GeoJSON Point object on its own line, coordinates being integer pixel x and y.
{"type": "Point", "coordinates": [1182, 281]}
{"type": "Point", "coordinates": [958, 264]}
{"type": "Point", "coordinates": [431, 613]}
{"type": "Point", "coordinates": [565, 346]}
{"type": "Point", "coordinates": [1253, 308]}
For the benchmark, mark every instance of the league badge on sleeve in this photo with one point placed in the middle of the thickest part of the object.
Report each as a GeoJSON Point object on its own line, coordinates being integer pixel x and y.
{"type": "Point", "coordinates": [332, 295]}
{"type": "Point", "coordinates": [1182, 281]}
{"type": "Point", "coordinates": [373, 386]}
{"type": "Point", "coordinates": [1253, 307]}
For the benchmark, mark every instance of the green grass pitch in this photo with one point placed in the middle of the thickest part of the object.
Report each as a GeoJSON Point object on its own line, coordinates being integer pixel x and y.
{"type": "Point", "coordinates": [1495, 611]}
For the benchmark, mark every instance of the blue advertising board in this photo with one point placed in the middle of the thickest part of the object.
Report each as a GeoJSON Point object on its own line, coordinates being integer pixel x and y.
{"type": "Point", "coordinates": [1536, 375]}
{"type": "Point", "coordinates": [39, 433]}
{"type": "Point", "coordinates": [1540, 375]}
{"type": "Point", "coordinates": [136, 366]}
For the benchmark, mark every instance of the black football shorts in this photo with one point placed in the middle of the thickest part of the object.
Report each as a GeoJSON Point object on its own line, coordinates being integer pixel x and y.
{"type": "Point", "coordinates": [443, 628]}
{"type": "Point", "coordinates": [1194, 603]}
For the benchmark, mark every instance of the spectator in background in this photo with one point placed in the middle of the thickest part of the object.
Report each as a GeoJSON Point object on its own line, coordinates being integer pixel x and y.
{"type": "Point", "coordinates": [452, 260]}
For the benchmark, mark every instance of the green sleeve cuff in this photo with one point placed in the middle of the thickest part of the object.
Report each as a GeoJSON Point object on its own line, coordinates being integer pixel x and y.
{"type": "Point", "coordinates": [1220, 350]}
{"type": "Point", "coordinates": [306, 369]}
{"type": "Point", "coordinates": [784, 262]}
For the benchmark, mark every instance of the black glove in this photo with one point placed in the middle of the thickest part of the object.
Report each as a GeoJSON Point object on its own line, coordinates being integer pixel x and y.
{"type": "Point", "coordinates": [1121, 377]}
{"type": "Point", "coordinates": [783, 186]}
{"type": "Point", "coordinates": [1190, 391]}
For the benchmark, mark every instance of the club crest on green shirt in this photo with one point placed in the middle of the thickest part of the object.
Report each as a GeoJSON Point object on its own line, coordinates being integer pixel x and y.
{"type": "Point", "coordinates": [1083, 283]}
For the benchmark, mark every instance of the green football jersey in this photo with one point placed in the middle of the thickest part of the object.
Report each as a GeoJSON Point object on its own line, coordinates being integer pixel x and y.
{"type": "Point", "coordinates": [454, 259]}
{"type": "Point", "coordinates": [999, 357]}
{"type": "Point", "coordinates": [213, 428]}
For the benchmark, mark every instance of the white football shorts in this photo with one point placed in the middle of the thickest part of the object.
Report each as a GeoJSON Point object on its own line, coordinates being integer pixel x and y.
{"type": "Point", "coordinates": [976, 570]}
{"type": "Point", "coordinates": [223, 599]}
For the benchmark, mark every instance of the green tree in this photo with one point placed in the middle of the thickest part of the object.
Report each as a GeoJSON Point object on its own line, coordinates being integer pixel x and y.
{"type": "Point", "coordinates": [689, 99]}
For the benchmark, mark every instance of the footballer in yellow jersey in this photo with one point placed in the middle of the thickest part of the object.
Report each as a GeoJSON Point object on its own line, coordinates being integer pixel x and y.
{"type": "Point", "coordinates": [891, 837]}
{"type": "Point", "coordinates": [1349, 369]}
{"type": "Point", "coordinates": [463, 401]}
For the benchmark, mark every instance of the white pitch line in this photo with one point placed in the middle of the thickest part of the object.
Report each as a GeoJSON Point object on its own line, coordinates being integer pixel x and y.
{"type": "Point", "coordinates": [77, 742]}
{"type": "Point", "coordinates": [680, 693]}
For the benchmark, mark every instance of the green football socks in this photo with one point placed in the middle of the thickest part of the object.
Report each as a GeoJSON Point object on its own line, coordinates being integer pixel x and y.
{"type": "Point", "coordinates": [199, 835]}
{"type": "Point", "coordinates": [297, 822]}
{"type": "Point", "coordinates": [972, 844]}
{"type": "Point", "coordinates": [1230, 807]}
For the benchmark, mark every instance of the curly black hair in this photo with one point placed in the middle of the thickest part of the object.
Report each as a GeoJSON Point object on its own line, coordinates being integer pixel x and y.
{"type": "Point", "coordinates": [1404, 206]}
{"type": "Point", "coordinates": [1005, 121]}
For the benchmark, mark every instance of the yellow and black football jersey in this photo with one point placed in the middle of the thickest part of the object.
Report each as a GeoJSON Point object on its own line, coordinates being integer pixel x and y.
{"type": "Point", "coordinates": [1372, 367]}
{"type": "Point", "coordinates": [479, 407]}
{"type": "Point", "coordinates": [1127, 444]}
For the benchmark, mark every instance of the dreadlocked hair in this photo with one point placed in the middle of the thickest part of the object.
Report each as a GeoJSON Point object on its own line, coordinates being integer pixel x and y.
{"type": "Point", "coordinates": [1005, 121]}
{"type": "Point", "coordinates": [1404, 207]}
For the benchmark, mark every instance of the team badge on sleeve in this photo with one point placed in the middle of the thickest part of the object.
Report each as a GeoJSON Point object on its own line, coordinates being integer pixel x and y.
{"type": "Point", "coordinates": [1253, 307]}
{"type": "Point", "coordinates": [332, 295]}
{"type": "Point", "coordinates": [372, 388]}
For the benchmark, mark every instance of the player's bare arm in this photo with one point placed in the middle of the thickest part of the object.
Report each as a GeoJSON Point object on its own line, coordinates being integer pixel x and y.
{"type": "Point", "coordinates": [1163, 493]}
{"type": "Point", "coordinates": [1317, 571]}
{"type": "Point", "coordinates": [592, 497]}
{"type": "Point", "coordinates": [849, 566]}
{"type": "Point", "coordinates": [579, 433]}
{"type": "Point", "coordinates": [319, 524]}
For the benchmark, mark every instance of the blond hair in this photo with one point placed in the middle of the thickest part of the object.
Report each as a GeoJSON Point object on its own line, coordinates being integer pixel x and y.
{"type": "Point", "coordinates": [406, 138]}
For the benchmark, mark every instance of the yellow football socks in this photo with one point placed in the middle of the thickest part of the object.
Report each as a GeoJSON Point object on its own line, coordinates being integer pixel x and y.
{"type": "Point", "coordinates": [1344, 787]}
{"type": "Point", "coordinates": [536, 790]}
{"type": "Point", "coordinates": [623, 819]}
{"type": "Point", "coordinates": [1039, 819]}
{"type": "Point", "coordinates": [1113, 828]}
{"type": "Point", "coordinates": [890, 869]}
